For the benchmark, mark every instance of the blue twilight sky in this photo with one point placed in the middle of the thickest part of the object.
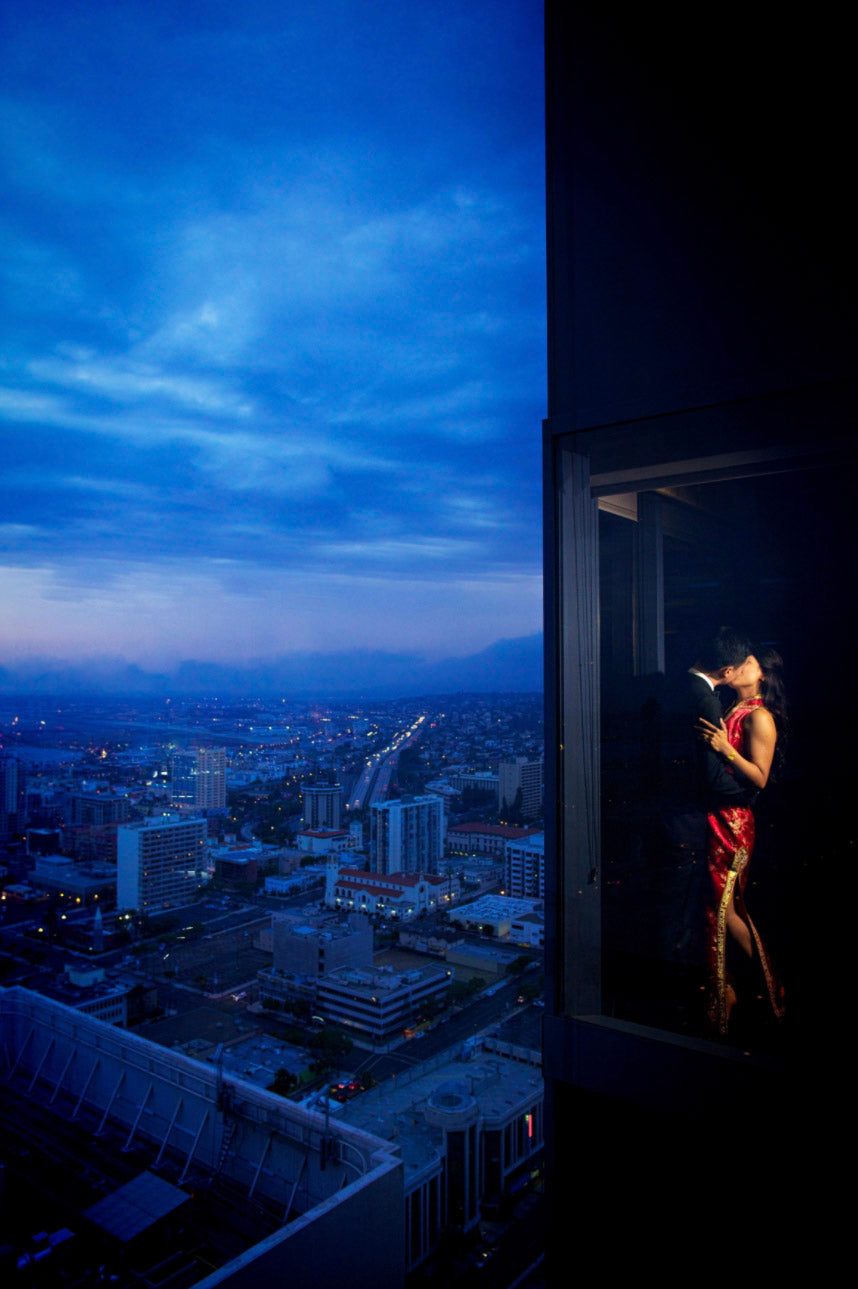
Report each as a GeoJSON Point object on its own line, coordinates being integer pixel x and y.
{"type": "Point", "coordinates": [273, 327]}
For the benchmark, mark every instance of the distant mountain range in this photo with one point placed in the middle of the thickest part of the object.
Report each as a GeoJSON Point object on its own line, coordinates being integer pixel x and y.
{"type": "Point", "coordinates": [508, 666]}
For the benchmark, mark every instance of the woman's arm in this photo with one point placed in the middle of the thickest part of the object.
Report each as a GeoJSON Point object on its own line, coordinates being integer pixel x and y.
{"type": "Point", "coordinates": [754, 762]}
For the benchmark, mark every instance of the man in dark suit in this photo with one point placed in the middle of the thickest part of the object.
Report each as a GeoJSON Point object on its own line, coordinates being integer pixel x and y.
{"type": "Point", "coordinates": [719, 658]}
{"type": "Point", "coordinates": [704, 783]}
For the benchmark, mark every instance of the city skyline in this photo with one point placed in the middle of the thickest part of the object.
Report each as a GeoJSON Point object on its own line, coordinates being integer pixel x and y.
{"type": "Point", "coordinates": [274, 333]}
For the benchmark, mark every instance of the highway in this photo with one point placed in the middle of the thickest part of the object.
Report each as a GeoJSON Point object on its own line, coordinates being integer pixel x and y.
{"type": "Point", "coordinates": [373, 782]}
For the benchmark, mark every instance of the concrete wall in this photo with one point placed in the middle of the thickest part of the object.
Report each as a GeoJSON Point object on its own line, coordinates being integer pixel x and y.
{"type": "Point", "coordinates": [356, 1240]}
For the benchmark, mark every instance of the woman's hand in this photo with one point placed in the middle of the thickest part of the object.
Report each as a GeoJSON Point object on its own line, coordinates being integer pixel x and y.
{"type": "Point", "coordinates": [716, 737]}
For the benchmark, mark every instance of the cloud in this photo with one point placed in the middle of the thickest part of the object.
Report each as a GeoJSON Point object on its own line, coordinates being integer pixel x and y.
{"type": "Point", "coordinates": [276, 323]}
{"type": "Point", "coordinates": [126, 381]}
{"type": "Point", "coordinates": [221, 610]}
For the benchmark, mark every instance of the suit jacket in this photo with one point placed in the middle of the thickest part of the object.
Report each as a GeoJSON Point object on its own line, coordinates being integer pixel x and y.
{"type": "Point", "coordinates": [716, 785]}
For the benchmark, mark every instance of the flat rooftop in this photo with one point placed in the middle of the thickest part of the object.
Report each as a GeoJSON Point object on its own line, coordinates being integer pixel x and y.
{"type": "Point", "coordinates": [58, 1176]}
{"type": "Point", "coordinates": [394, 1110]}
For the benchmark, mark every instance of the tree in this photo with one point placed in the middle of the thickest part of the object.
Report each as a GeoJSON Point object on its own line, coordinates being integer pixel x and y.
{"type": "Point", "coordinates": [430, 1008]}
{"type": "Point", "coordinates": [515, 814]}
{"type": "Point", "coordinates": [331, 1046]}
{"type": "Point", "coordinates": [284, 1082]}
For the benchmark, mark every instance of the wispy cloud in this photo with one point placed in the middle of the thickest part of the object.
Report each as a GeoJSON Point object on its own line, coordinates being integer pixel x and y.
{"type": "Point", "coordinates": [275, 330]}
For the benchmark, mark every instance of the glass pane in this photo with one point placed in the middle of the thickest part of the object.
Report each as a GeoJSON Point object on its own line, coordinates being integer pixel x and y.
{"type": "Point", "coordinates": [760, 555]}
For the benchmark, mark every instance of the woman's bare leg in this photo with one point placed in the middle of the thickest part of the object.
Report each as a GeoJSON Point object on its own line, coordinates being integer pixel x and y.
{"type": "Point", "coordinates": [739, 929]}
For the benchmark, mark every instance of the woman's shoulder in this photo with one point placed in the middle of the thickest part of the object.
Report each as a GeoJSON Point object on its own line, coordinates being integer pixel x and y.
{"type": "Point", "coordinates": [760, 719]}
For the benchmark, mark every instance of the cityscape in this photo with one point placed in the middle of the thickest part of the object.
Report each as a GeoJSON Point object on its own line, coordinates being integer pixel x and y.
{"type": "Point", "coordinates": [334, 912]}
{"type": "Point", "coordinates": [395, 402]}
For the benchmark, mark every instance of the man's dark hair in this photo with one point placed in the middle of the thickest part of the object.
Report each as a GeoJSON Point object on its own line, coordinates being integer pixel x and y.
{"type": "Point", "coordinates": [727, 648]}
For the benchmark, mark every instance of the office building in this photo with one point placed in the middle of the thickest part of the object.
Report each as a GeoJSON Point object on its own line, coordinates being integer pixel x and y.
{"type": "Point", "coordinates": [198, 778]}
{"type": "Point", "coordinates": [407, 835]}
{"type": "Point", "coordinates": [183, 779]}
{"type": "Point", "coordinates": [469, 1125]}
{"type": "Point", "coordinates": [160, 863]}
{"type": "Point", "coordinates": [211, 778]}
{"type": "Point", "coordinates": [380, 1004]}
{"type": "Point", "coordinates": [520, 787]}
{"type": "Point", "coordinates": [479, 781]}
{"type": "Point", "coordinates": [97, 809]}
{"type": "Point", "coordinates": [12, 799]}
{"type": "Point", "coordinates": [315, 945]}
{"type": "Point", "coordinates": [83, 883]}
{"type": "Point", "coordinates": [322, 803]}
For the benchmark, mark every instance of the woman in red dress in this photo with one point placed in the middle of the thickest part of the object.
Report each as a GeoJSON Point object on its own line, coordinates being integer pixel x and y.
{"type": "Point", "coordinates": [747, 740]}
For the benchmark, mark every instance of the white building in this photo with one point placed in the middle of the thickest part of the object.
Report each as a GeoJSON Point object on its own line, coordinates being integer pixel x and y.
{"type": "Point", "coordinates": [324, 841]}
{"type": "Point", "coordinates": [160, 863]}
{"type": "Point", "coordinates": [529, 930]}
{"type": "Point", "coordinates": [495, 911]}
{"type": "Point", "coordinates": [525, 867]}
{"type": "Point", "coordinates": [392, 895]}
{"type": "Point", "coordinates": [211, 778]}
{"type": "Point", "coordinates": [407, 835]}
{"type": "Point", "coordinates": [526, 777]}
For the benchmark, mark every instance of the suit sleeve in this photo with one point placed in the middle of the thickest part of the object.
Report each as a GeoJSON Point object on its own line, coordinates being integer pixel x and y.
{"type": "Point", "coordinates": [717, 778]}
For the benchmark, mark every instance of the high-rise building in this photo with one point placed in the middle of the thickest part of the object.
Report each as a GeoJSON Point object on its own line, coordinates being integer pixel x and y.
{"type": "Point", "coordinates": [211, 778]}
{"type": "Point", "coordinates": [159, 863]}
{"type": "Point", "coordinates": [524, 865]}
{"type": "Point", "coordinates": [652, 428]}
{"type": "Point", "coordinates": [183, 778]}
{"type": "Point", "coordinates": [198, 778]}
{"type": "Point", "coordinates": [12, 799]}
{"type": "Point", "coordinates": [96, 809]}
{"type": "Point", "coordinates": [321, 805]}
{"type": "Point", "coordinates": [407, 835]}
{"type": "Point", "coordinates": [525, 777]}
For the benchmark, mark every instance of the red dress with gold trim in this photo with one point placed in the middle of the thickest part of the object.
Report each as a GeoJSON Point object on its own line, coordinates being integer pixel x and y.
{"type": "Point", "coordinates": [729, 849]}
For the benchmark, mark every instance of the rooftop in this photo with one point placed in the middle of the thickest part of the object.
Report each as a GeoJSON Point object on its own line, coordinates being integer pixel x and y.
{"type": "Point", "coordinates": [75, 1137]}
{"type": "Point", "coordinates": [490, 907]}
{"type": "Point", "coordinates": [395, 1109]}
{"type": "Point", "coordinates": [508, 831]}
{"type": "Point", "coordinates": [379, 883]}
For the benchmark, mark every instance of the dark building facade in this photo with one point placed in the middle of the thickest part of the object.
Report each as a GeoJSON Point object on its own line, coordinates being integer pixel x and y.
{"type": "Point", "coordinates": [12, 799]}
{"type": "Point", "coordinates": [698, 471]}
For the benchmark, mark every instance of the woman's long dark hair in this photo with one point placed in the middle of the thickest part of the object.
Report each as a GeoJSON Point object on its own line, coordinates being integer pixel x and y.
{"type": "Point", "coordinates": [773, 694]}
